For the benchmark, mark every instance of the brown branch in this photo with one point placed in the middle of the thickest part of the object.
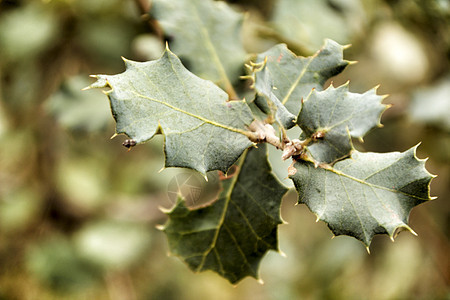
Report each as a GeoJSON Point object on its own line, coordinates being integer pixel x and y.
{"type": "Point", "coordinates": [265, 133]}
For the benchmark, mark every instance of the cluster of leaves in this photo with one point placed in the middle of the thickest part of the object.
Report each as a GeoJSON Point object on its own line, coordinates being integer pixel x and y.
{"type": "Point", "coordinates": [206, 128]}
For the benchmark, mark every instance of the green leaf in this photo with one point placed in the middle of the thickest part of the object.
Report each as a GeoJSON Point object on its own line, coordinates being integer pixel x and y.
{"type": "Point", "coordinates": [231, 235]}
{"type": "Point", "coordinates": [367, 194]}
{"type": "Point", "coordinates": [202, 130]}
{"type": "Point", "coordinates": [264, 88]}
{"type": "Point", "coordinates": [205, 33]}
{"type": "Point", "coordinates": [331, 117]}
{"type": "Point", "coordinates": [294, 77]}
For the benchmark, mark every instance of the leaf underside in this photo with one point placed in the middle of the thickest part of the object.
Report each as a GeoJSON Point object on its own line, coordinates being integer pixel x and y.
{"type": "Point", "coordinates": [203, 131]}
{"type": "Point", "coordinates": [367, 194]}
{"type": "Point", "coordinates": [205, 33]}
{"type": "Point", "coordinates": [231, 235]}
{"type": "Point", "coordinates": [338, 115]}
{"type": "Point", "coordinates": [294, 77]}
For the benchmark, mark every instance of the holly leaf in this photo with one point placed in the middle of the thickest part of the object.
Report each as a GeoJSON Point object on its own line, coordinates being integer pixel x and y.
{"type": "Point", "coordinates": [206, 34]}
{"type": "Point", "coordinates": [203, 131]}
{"type": "Point", "coordinates": [268, 101]}
{"type": "Point", "coordinates": [367, 194]}
{"type": "Point", "coordinates": [231, 235]}
{"type": "Point", "coordinates": [330, 118]}
{"type": "Point", "coordinates": [294, 77]}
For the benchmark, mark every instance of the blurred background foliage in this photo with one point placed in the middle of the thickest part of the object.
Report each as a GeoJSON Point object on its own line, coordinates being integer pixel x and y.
{"type": "Point", "coordinates": [78, 212]}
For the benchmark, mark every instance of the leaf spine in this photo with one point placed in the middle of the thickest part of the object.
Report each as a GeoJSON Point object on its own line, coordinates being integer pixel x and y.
{"type": "Point", "coordinates": [160, 227]}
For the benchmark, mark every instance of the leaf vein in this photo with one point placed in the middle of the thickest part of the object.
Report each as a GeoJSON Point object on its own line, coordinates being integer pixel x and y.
{"type": "Point", "coordinates": [297, 81]}
{"type": "Point", "coordinates": [337, 172]}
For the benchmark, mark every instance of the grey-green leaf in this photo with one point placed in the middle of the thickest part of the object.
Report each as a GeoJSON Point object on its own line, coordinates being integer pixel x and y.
{"type": "Point", "coordinates": [331, 117]}
{"type": "Point", "coordinates": [367, 194]}
{"type": "Point", "coordinates": [294, 77]}
{"type": "Point", "coordinates": [231, 235]}
{"type": "Point", "coordinates": [264, 87]}
{"type": "Point", "coordinates": [205, 33]}
{"type": "Point", "coordinates": [203, 131]}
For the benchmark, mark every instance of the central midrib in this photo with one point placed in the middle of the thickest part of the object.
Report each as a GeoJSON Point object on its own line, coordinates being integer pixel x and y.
{"type": "Point", "coordinates": [297, 81]}
{"type": "Point", "coordinates": [193, 115]}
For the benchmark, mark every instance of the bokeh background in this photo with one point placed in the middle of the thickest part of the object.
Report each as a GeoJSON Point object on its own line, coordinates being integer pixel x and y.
{"type": "Point", "coordinates": [78, 213]}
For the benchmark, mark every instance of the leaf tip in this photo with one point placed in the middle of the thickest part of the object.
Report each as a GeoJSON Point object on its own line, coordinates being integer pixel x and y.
{"type": "Point", "coordinates": [164, 210]}
{"type": "Point", "coordinates": [162, 169]}
{"type": "Point", "coordinates": [246, 76]}
{"type": "Point", "coordinates": [432, 177]}
{"type": "Point", "coordinates": [160, 227]}
{"type": "Point", "coordinates": [113, 136]}
{"type": "Point", "coordinates": [260, 281]}
{"type": "Point", "coordinates": [345, 47]}
{"type": "Point", "coordinates": [375, 88]}
{"type": "Point", "coordinates": [352, 62]}
{"type": "Point", "coordinates": [401, 228]}
{"type": "Point", "coordinates": [412, 231]}
{"type": "Point", "coordinates": [127, 61]}
{"type": "Point", "coordinates": [282, 254]}
{"type": "Point", "coordinates": [368, 249]}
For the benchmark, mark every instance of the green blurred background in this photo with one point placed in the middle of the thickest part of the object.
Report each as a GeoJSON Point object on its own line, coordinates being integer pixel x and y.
{"type": "Point", "coordinates": [78, 213]}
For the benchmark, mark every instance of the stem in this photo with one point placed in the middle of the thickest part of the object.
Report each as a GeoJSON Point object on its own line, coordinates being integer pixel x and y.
{"type": "Point", "coordinates": [265, 133]}
{"type": "Point", "coordinates": [294, 147]}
